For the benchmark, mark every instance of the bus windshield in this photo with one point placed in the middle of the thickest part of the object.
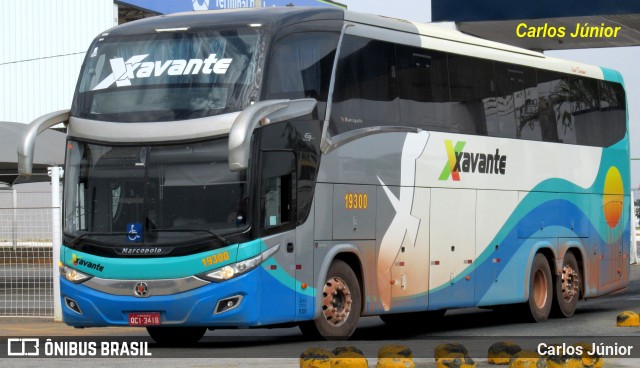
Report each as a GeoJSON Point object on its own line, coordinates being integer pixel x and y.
{"type": "Point", "coordinates": [169, 76]}
{"type": "Point", "coordinates": [169, 194]}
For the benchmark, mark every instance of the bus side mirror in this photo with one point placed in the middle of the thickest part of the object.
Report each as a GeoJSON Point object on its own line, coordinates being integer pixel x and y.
{"type": "Point", "coordinates": [27, 144]}
{"type": "Point", "coordinates": [269, 111]}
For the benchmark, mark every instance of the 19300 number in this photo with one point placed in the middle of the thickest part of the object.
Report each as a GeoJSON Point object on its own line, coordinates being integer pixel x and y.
{"type": "Point", "coordinates": [356, 201]}
{"type": "Point", "coordinates": [214, 259]}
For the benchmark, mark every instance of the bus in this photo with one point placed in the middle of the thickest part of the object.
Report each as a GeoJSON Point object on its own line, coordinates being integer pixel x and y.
{"type": "Point", "coordinates": [310, 166]}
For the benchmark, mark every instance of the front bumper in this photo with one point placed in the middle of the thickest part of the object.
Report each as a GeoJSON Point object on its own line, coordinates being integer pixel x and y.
{"type": "Point", "coordinates": [191, 308]}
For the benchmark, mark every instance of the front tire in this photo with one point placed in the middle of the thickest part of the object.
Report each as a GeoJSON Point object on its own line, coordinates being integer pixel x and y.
{"type": "Point", "coordinates": [176, 336]}
{"type": "Point", "coordinates": [540, 289]}
{"type": "Point", "coordinates": [341, 305]}
{"type": "Point", "coordinates": [567, 287]}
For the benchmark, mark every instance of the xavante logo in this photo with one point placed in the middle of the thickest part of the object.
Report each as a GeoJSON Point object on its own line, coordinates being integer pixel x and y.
{"type": "Point", "coordinates": [125, 71]}
{"type": "Point", "coordinates": [469, 162]}
{"type": "Point", "coordinates": [77, 261]}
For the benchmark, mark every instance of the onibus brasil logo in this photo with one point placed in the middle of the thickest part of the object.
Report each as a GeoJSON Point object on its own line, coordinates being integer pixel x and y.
{"type": "Point", "coordinates": [134, 68]}
{"type": "Point", "coordinates": [460, 160]}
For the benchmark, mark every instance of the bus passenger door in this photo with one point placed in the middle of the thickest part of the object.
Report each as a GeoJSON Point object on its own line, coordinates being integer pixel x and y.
{"type": "Point", "coordinates": [278, 224]}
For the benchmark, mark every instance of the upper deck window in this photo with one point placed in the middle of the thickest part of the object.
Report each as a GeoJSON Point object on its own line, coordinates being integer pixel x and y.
{"type": "Point", "coordinates": [169, 76]}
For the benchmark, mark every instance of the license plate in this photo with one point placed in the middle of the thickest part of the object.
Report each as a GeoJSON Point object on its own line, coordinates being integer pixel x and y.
{"type": "Point", "coordinates": [144, 319]}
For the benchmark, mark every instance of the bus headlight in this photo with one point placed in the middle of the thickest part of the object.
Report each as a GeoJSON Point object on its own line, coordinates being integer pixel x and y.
{"type": "Point", "coordinates": [72, 274]}
{"type": "Point", "coordinates": [238, 268]}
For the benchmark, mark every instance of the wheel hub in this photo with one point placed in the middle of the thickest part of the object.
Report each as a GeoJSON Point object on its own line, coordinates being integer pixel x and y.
{"type": "Point", "coordinates": [570, 282]}
{"type": "Point", "coordinates": [336, 301]}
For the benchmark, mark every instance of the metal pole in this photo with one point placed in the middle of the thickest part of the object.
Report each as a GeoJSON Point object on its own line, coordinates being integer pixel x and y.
{"type": "Point", "coordinates": [14, 221]}
{"type": "Point", "coordinates": [56, 173]}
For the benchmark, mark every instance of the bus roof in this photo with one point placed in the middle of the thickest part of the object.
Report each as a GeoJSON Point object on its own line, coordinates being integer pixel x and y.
{"type": "Point", "coordinates": [434, 36]}
{"type": "Point", "coordinates": [280, 16]}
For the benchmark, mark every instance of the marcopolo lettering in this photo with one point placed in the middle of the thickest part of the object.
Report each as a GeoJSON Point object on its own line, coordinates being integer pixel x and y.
{"type": "Point", "coordinates": [141, 251]}
{"type": "Point", "coordinates": [134, 68]}
{"type": "Point", "coordinates": [460, 161]}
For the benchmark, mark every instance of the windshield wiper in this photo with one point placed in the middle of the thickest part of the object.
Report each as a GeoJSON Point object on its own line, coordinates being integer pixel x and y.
{"type": "Point", "coordinates": [212, 233]}
{"type": "Point", "coordinates": [75, 240]}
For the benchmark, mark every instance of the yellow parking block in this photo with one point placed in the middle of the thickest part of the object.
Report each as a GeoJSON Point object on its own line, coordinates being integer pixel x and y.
{"type": "Point", "coordinates": [455, 360]}
{"type": "Point", "coordinates": [315, 358]}
{"type": "Point", "coordinates": [564, 361]}
{"type": "Point", "coordinates": [527, 359]}
{"type": "Point", "coordinates": [589, 361]}
{"type": "Point", "coordinates": [446, 350]}
{"type": "Point", "coordinates": [628, 319]}
{"type": "Point", "coordinates": [395, 356]}
{"type": "Point", "coordinates": [348, 357]}
{"type": "Point", "coordinates": [500, 352]}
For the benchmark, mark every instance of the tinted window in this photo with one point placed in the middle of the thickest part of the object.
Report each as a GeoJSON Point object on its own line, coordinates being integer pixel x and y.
{"type": "Point", "coordinates": [556, 107]}
{"type": "Point", "coordinates": [166, 193]}
{"type": "Point", "coordinates": [365, 89]}
{"type": "Point", "coordinates": [277, 194]}
{"type": "Point", "coordinates": [472, 91]}
{"type": "Point", "coordinates": [517, 102]}
{"type": "Point", "coordinates": [169, 76]}
{"type": "Point", "coordinates": [586, 110]}
{"type": "Point", "coordinates": [423, 88]}
{"type": "Point", "coordinates": [613, 112]}
{"type": "Point", "coordinates": [381, 84]}
{"type": "Point", "coordinates": [301, 66]}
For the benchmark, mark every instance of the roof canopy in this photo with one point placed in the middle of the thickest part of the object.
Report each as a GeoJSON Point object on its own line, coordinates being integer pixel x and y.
{"type": "Point", "coordinates": [498, 20]}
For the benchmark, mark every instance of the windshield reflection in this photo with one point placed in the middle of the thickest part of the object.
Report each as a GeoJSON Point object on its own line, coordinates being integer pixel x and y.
{"type": "Point", "coordinates": [152, 194]}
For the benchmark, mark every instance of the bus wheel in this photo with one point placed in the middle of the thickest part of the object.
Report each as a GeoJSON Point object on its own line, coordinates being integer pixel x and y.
{"type": "Point", "coordinates": [540, 289]}
{"type": "Point", "coordinates": [567, 288]}
{"type": "Point", "coordinates": [176, 336]}
{"type": "Point", "coordinates": [341, 305]}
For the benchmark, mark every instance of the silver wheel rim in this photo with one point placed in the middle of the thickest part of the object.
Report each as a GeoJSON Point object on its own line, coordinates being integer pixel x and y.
{"type": "Point", "coordinates": [570, 283]}
{"type": "Point", "coordinates": [336, 301]}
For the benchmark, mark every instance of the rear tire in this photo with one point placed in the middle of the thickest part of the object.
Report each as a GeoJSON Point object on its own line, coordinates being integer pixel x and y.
{"type": "Point", "coordinates": [540, 289]}
{"type": "Point", "coordinates": [176, 336]}
{"type": "Point", "coordinates": [567, 287]}
{"type": "Point", "coordinates": [341, 305]}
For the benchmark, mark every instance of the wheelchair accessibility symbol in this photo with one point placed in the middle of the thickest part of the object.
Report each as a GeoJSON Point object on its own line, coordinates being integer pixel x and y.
{"type": "Point", "coordinates": [134, 232]}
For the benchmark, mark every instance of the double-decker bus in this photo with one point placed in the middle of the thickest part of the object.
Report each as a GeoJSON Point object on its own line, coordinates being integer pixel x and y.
{"type": "Point", "coordinates": [301, 166]}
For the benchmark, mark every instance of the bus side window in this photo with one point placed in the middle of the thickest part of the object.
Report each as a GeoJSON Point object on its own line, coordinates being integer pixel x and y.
{"type": "Point", "coordinates": [277, 193]}
{"type": "Point", "coordinates": [365, 93]}
{"type": "Point", "coordinates": [423, 86]}
{"type": "Point", "coordinates": [517, 102]}
{"type": "Point", "coordinates": [586, 111]}
{"type": "Point", "coordinates": [613, 113]}
{"type": "Point", "coordinates": [472, 88]}
{"type": "Point", "coordinates": [301, 66]}
{"type": "Point", "coordinates": [555, 108]}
